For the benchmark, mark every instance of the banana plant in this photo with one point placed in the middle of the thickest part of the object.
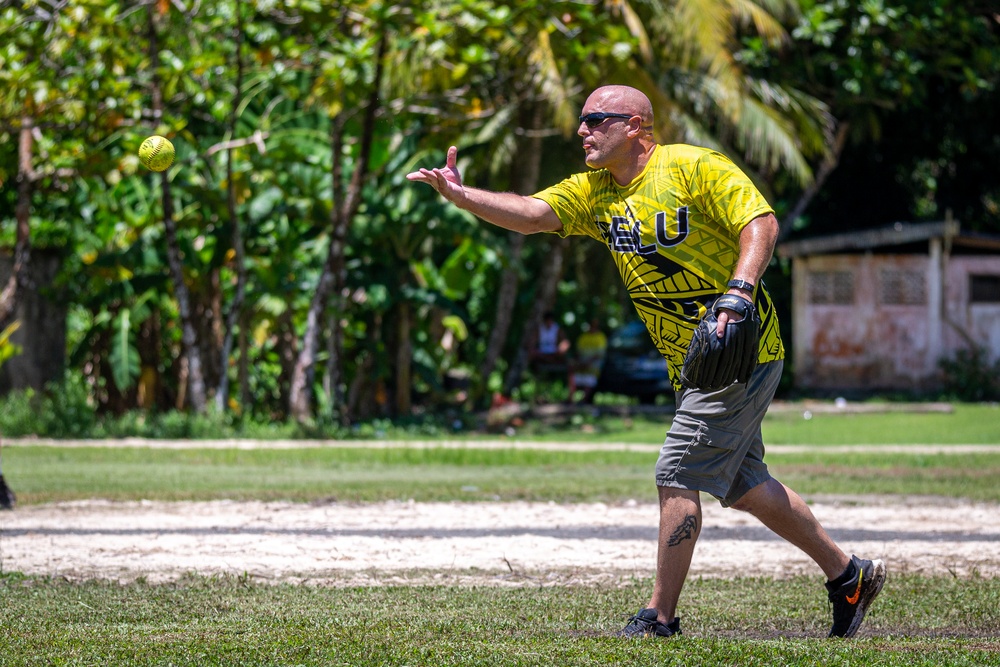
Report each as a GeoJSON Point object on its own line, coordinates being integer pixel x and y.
{"type": "Point", "coordinates": [124, 355]}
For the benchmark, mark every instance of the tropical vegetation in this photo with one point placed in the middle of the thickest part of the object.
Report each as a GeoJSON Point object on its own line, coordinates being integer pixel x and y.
{"type": "Point", "coordinates": [284, 268]}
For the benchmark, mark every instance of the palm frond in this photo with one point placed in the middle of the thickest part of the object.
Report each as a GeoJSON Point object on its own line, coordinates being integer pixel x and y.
{"type": "Point", "coordinates": [768, 138]}
{"type": "Point", "coordinates": [814, 124]}
{"type": "Point", "coordinates": [766, 21]}
{"type": "Point", "coordinates": [635, 25]}
{"type": "Point", "coordinates": [552, 86]}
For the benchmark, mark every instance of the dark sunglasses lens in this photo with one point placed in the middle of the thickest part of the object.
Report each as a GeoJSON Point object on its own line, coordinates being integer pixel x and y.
{"type": "Point", "coordinates": [594, 119]}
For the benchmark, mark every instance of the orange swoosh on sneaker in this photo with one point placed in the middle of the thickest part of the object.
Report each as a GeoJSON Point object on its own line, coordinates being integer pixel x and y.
{"type": "Point", "coordinates": [853, 599]}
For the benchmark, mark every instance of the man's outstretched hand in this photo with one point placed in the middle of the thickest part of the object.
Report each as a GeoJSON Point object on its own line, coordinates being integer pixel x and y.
{"type": "Point", "coordinates": [447, 181]}
{"type": "Point", "coordinates": [517, 213]}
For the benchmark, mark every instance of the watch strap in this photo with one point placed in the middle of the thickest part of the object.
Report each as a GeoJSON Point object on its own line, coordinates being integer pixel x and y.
{"type": "Point", "coordinates": [740, 284]}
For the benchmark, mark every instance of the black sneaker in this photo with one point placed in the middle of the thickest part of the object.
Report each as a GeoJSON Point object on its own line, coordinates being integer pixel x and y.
{"type": "Point", "coordinates": [7, 497]}
{"type": "Point", "coordinates": [850, 600]}
{"type": "Point", "coordinates": [644, 624]}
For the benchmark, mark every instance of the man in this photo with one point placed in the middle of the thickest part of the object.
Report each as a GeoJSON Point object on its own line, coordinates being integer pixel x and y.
{"type": "Point", "coordinates": [684, 226]}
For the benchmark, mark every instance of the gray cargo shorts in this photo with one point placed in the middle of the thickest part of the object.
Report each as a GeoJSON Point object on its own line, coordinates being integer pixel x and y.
{"type": "Point", "coordinates": [714, 444]}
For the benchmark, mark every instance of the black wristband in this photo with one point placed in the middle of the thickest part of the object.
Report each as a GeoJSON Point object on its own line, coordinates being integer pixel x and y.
{"type": "Point", "coordinates": [740, 284]}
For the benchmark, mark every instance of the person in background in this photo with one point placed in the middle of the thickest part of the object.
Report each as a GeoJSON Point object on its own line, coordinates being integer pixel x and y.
{"type": "Point", "coordinates": [588, 360]}
{"type": "Point", "coordinates": [550, 344]}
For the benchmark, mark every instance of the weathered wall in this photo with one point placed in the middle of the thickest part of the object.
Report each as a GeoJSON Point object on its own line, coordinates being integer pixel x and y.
{"type": "Point", "coordinates": [981, 320]}
{"type": "Point", "coordinates": [867, 321]}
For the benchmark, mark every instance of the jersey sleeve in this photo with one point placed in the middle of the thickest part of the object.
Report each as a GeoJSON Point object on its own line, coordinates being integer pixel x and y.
{"type": "Point", "coordinates": [571, 201]}
{"type": "Point", "coordinates": [725, 193]}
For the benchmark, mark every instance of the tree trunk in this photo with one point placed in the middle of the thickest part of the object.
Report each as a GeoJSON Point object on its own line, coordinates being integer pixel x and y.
{"type": "Point", "coordinates": [300, 394]}
{"type": "Point", "coordinates": [22, 213]}
{"type": "Point", "coordinates": [404, 359]}
{"type": "Point", "coordinates": [544, 299]}
{"type": "Point", "coordinates": [243, 370]}
{"type": "Point", "coordinates": [524, 178]}
{"type": "Point", "coordinates": [239, 254]}
{"type": "Point", "coordinates": [189, 337]}
{"type": "Point", "coordinates": [510, 278]}
{"type": "Point", "coordinates": [332, 368]}
{"type": "Point", "coordinates": [333, 278]}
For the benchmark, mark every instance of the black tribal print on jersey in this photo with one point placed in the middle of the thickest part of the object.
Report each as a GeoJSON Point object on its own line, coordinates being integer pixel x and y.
{"type": "Point", "coordinates": [674, 236]}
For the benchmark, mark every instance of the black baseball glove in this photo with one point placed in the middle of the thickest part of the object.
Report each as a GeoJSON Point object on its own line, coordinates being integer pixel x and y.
{"type": "Point", "coordinates": [712, 362]}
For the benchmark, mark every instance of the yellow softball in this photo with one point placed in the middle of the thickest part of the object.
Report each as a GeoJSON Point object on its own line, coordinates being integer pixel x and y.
{"type": "Point", "coordinates": [156, 152]}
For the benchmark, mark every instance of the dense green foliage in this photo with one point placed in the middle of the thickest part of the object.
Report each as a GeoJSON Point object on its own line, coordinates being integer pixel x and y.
{"type": "Point", "coordinates": [285, 244]}
{"type": "Point", "coordinates": [912, 84]}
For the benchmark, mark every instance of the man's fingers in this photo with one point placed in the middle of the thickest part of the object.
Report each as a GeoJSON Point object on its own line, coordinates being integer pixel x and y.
{"type": "Point", "coordinates": [724, 317]}
{"type": "Point", "coordinates": [720, 328]}
{"type": "Point", "coordinates": [439, 178]}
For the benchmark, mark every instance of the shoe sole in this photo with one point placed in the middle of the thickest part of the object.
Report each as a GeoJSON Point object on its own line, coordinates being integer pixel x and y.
{"type": "Point", "coordinates": [878, 579]}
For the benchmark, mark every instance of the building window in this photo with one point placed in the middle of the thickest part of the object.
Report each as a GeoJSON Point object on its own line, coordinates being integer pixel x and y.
{"type": "Point", "coordinates": [984, 289]}
{"type": "Point", "coordinates": [902, 288]}
{"type": "Point", "coordinates": [831, 288]}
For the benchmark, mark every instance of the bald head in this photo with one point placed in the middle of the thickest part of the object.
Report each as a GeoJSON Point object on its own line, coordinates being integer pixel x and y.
{"type": "Point", "coordinates": [622, 99]}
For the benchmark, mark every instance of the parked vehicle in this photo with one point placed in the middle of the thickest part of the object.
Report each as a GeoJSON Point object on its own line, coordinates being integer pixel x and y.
{"type": "Point", "coordinates": [633, 366]}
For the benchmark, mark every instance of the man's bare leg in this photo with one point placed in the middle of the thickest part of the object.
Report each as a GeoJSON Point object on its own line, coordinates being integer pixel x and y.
{"type": "Point", "coordinates": [787, 515]}
{"type": "Point", "coordinates": [680, 525]}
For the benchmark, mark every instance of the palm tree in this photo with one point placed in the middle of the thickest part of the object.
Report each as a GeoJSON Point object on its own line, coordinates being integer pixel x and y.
{"type": "Point", "coordinates": [688, 64]}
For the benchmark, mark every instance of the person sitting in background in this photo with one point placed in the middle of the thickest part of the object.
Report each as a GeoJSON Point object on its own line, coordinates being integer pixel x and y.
{"type": "Point", "coordinates": [587, 363]}
{"type": "Point", "coordinates": [550, 345]}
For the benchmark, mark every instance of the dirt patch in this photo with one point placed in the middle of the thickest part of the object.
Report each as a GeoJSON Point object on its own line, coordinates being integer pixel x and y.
{"type": "Point", "coordinates": [470, 543]}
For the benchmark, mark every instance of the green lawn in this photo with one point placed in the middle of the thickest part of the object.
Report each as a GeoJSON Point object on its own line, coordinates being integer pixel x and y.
{"type": "Point", "coordinates": [47, 474]}
{"type": "Point", "coordinates": [917, 621]}
{"type": "Point", "coordinates": [796, 424]}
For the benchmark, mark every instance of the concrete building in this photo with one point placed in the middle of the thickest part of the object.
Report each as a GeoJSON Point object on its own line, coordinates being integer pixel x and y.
{"type": "Point", "coordinates": [878, 309]}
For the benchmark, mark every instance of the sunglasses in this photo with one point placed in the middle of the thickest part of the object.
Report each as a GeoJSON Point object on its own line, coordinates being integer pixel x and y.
{"type": "Point", "coordinates": [594, 119]}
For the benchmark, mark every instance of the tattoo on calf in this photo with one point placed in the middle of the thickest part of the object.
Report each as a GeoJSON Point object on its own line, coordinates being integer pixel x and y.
{"type": "Point", "coordinates": [685, 531]}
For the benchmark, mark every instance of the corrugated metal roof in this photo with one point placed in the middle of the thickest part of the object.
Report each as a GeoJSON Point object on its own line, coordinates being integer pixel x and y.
{"type": "Point", "coordinates": [899, 233]}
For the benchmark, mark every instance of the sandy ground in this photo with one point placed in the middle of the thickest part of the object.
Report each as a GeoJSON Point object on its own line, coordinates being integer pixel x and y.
{"type": "Point", "coordinates": [499, 544]}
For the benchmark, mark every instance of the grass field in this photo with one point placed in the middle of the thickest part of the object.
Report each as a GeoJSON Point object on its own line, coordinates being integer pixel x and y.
{"type": "Point", "coordinates": [794, 424]}
{"type": "Point", "coordinates": [202, 620]}
{"type": "Point", "coordinates": [45, 474]}
{"type": "Point", "coordinates": [926, 622]}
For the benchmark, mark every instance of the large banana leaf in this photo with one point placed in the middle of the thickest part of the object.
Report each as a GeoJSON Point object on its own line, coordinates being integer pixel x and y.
{"type": "Point", "coordinates": [124, 356]}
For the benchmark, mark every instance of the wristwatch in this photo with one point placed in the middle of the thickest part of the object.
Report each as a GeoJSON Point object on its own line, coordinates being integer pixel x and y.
{"type": "Point", "coordinates": [740, 284]}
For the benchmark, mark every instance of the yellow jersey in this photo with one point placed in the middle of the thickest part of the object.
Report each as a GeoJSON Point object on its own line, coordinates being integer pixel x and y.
{"type": "Point", "coordinates": [674, 235]}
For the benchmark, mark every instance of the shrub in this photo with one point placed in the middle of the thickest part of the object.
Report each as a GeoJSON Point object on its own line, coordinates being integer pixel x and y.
{"type": "Point", "coordinates": [971, 376]}
{"type": "Point", "coordinates": [63, 410]}
{"type": "Point", "coordinates": [19, 414]}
